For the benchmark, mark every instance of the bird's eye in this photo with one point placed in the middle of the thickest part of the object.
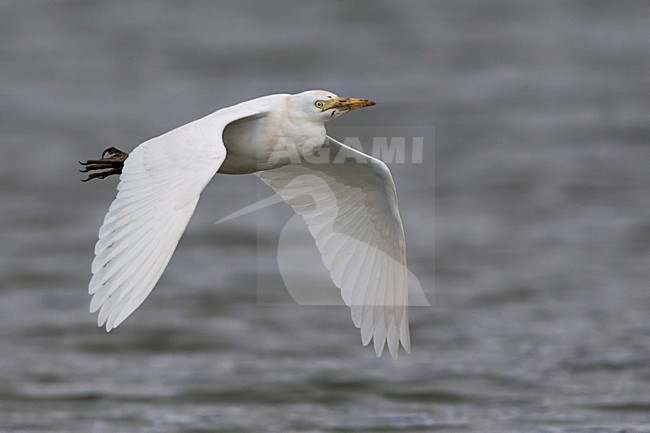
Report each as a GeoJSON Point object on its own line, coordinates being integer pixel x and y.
{"type": "Point", "coordinates": [319, 104]}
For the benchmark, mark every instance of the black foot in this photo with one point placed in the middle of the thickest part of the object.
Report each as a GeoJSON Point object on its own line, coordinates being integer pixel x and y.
{"type": "Point", "coordinates": [111, 165]}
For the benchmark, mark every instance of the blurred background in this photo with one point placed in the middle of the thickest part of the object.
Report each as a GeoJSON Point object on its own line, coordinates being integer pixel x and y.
{"type": "Point", "coordinates": [536, 255]}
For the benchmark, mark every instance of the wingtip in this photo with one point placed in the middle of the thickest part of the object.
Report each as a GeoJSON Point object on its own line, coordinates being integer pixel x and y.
{"type": "Point", "coordinates": [393, 354]}
{"type": "Point", "coordinates": [103, 325]}
{"type": "Point", "coordinates": [379, 349]}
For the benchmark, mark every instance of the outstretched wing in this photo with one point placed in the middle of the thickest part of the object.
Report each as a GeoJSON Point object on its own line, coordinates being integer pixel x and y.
{"type": "Point", "coordinates": [157, 194]}
{"type": "Point", "coordinates": [349, 203]}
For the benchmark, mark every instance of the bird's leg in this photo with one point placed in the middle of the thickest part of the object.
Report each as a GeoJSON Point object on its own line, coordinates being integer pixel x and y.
{"type": "Point", "coordinates": [111, 165]}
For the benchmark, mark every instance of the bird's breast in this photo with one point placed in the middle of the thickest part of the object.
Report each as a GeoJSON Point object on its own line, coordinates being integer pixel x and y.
{"type": "Point", "coordinates": [265, 144]}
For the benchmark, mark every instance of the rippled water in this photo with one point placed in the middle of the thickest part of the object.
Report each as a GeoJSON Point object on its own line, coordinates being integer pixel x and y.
{"type": "Point", "coordinates": [542, 218]}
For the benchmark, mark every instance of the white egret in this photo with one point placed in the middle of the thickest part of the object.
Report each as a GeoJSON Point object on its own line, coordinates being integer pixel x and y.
{"type": "Point", "coordinates": [347, 200]}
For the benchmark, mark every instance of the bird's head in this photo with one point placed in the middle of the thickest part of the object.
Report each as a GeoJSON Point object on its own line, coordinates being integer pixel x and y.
{"type": "Point", "coordinates": [324, 105]}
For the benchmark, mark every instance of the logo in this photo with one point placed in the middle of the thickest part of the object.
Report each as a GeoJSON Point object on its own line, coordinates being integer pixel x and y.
{"type": "Point", "coordinates": [302, 267]}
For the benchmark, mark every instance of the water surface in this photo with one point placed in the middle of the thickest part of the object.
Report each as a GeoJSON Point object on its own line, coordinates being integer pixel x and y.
{"type": "Point", "coordinates": [535, 250]}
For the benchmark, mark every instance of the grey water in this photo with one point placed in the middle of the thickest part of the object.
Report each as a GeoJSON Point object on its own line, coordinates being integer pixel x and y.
{"type": "Point", "coordinates": [527, 220]}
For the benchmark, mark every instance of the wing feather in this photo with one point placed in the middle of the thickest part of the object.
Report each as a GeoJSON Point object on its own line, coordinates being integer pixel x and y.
{"type": "Point", "coordinates": [351, 211]}
{"type": "Point", "coordinates": [158, 191]}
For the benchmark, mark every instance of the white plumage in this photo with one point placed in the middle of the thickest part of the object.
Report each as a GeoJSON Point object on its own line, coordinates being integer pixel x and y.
{"type": "Point", "coordinates": [348, 204]}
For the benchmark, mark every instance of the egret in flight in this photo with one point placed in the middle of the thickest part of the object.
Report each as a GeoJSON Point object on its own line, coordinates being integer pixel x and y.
{"type": "Point", "coordinates": [346, 198]}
